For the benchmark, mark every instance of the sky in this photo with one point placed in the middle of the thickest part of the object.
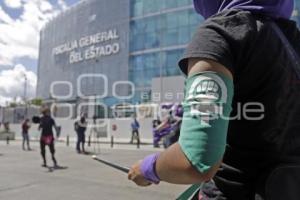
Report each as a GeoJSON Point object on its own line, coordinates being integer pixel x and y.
{"type": "Point", "coordinates": [20, 24]}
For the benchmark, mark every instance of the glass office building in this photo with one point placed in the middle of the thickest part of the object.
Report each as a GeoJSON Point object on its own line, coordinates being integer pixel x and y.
{"type": "Point", "coordinates": [296, 13]}
{"type": "Point", "coordinates": [159, 32]}
{"type": "Point", "coordinates": [125, 40]}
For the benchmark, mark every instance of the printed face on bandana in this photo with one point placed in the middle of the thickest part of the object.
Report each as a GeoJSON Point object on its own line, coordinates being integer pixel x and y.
{"type": "Point", "coordinates": [209, 89]}
{"type": "Point", "coordinates": [206, 97]}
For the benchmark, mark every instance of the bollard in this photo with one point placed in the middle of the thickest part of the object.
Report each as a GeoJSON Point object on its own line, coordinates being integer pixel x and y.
{"type": "Point", "coordinates": [89, 141]}
{"type": "Point", "coordinates": [68, 140]}
{"type": "Point", "coordinates": [138, 143]}
{"type": "Point", "coordinates": [114, 128]}
{"type": "Point", "coordinates": [7, 140]}
{"type": "Point", "coordinates": [112, 142]}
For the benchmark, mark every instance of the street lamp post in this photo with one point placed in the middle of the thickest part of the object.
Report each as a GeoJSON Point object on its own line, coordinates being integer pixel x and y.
{"type": "Point", "coordinates": [25, 95]}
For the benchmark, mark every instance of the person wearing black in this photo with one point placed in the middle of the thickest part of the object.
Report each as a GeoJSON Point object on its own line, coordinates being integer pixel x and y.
{"type": "Point", "coordinates": [247, 50]}
{"type": "Point", "coordinates": [80, 127]}
{"type": "Point", "coordinates": [46, 126]}
{"type": "Point", "coordinates": [25, 134]}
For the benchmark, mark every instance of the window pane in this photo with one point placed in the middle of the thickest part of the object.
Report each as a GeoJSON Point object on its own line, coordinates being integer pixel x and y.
{"type": "Point", "coordinates": [174, 71]}
{"type": "Point", "coordinates": [151, 6]}
{"type": "Point", "coordinates": [137, 9]}
{"type": "Point", "coordinates": [138, 42]}
{"type": "Point", "coordinates": [183, 18]}
{"type": "Point", "coordinates": [151, 41]}
{"type": "Point", "coordinates": [194, 18]}
{"type": "Point", "coordinates": [170, 37]}
{"type": "Point", "coordinates": [184, 35]}
{"type": "Point", "coordinates": [171, 20]}
{"type": "Point", "coordinates": [170, 4]}
{"type": "Point", "coordinates": [184, 2]}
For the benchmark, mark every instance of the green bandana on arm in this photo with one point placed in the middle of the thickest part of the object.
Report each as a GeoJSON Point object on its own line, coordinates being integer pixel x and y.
{"type": "Point", "coordinates": [207, 107]}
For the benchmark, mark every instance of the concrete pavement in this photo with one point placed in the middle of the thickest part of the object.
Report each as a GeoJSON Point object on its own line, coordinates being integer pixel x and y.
{"type": "Point", "coordinates": [23, 178]}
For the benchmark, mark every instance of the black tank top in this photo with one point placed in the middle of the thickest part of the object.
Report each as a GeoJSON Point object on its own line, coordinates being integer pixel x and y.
{"type": "Point", "coordinates": [266, 75]}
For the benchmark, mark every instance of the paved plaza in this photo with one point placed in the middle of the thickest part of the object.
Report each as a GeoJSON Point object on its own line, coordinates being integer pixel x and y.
{"type": "Point", "coordinates": [81, 178]}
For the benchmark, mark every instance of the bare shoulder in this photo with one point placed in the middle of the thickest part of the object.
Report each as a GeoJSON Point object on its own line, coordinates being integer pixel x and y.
{"type": "Point", "coordinates": [196, 65]}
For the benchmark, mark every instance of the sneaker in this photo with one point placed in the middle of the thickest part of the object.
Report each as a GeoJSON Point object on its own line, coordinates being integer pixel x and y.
{"type": "Point", "coordinates": [44, 165]}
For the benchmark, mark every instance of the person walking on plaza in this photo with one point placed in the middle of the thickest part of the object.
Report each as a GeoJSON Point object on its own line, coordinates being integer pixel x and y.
{"type": "Point", "coordinates": [25, 134]}
{"type": "Point", "coordinates": [239, 135]}
{"type": "Point", "coordinates": [80, 127]}
{"type": "Point", "coordinates": [135, 126]}
{"type": "Point", "coordinates": [46, 126]}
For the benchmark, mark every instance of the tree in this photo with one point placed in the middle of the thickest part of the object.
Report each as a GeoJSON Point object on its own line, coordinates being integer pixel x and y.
{"type": "Point", "coordinates": [13, 104]}
{"type": "Point", "coordinates": [36, 102]}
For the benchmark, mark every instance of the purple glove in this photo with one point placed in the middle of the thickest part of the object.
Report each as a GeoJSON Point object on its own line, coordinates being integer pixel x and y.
{"type": "Point", "coordinates": [148, 168]}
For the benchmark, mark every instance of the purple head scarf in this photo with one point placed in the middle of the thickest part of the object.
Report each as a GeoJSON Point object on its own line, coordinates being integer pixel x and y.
{"type": "Point", "coordinates": [271, 8]}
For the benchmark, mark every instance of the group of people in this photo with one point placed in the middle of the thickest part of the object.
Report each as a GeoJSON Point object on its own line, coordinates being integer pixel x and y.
{"type": "Point", "coordinates": [167, 127]}
{"type": "Point", "coordinates": [46, 125]}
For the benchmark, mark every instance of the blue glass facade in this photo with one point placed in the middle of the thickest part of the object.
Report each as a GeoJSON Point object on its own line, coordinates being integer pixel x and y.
{"type": "Point", "coordinates": [296, 13]}
{"type": "Point", "coordinates": [159, 32]}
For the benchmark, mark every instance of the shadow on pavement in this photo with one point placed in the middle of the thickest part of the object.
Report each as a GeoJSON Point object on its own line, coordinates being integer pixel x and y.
{"type": "Point", "coordinates": [87, 153]}
{"type": "Point", "coordinates": [29, 150]}
{"type": "Point", "coordinates": [52, 169]}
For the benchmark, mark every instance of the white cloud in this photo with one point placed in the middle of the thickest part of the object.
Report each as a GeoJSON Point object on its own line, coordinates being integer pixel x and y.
{"type": "Point", "coordinates": [46, 6]}
{"type": "Point", "coordinates": [4, 17]}
{"type": "Point", "coordinates": [14, 83]}
{"type": "Point", "coordinates": [20, 37]}
{"type": "Point", "coordinates": [62, 4]}
{"type": "Point", "coordinates": [13, 3]}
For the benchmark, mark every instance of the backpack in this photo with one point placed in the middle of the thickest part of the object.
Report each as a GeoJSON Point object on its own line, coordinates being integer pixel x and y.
{"type": "Point", "coordinates": [76, 126]}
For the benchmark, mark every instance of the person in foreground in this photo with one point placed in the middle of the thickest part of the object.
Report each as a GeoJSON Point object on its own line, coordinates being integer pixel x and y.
{"type": "Point", "coordinates": [46, 126]}
{"type": "Point", "coordinates": [240, 129]}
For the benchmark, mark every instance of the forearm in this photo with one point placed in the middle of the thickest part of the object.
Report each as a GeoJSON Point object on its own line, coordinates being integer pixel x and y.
{"type": "Point", "coordinates": [172, 166]}
{"type": "Point", "coordinates": [161, 126]}
{"type": "Point", "coordinates": [198, 154]}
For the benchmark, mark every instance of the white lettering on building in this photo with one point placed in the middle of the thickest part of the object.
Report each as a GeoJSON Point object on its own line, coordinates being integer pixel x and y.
{"type": "Point", "coordinates": [90, 47]}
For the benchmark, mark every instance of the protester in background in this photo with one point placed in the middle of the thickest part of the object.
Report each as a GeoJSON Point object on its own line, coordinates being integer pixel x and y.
{"type": "Point", "coordinates": [6, 127]}
{"type": "Point", "coordinates": [80, 127]}
{"type": "Point", "coordinates": [175, 120]}
{"type": "Point", "coordinates": [135, 126]}
{"type": "Point", "coordinates": [25, 134]}
{"type": "Point", "coordinates": [169, 128]}
{"type": "Point", "coordinates": [46, 126]}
